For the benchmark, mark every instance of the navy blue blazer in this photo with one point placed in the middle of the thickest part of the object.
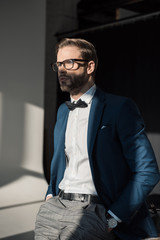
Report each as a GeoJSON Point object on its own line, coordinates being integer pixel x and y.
{"type": "Point", "coordinates": [122, 161]}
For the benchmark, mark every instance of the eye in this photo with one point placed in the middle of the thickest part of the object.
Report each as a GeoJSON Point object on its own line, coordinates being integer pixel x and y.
{"type": "Point", "coordinates": [68, 64]}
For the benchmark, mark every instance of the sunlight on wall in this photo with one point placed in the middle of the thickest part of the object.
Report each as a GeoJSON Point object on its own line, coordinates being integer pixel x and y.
{"type": "Point", "coordinates": [33, 138]}
{"type": "Point", "coordinates": [155, 141]}
{"type": "Point", "coordinates": [1, 110]}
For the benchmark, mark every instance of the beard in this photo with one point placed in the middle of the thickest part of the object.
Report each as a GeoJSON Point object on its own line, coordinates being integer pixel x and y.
{"type": "Point", "coordinates": [72, 83]}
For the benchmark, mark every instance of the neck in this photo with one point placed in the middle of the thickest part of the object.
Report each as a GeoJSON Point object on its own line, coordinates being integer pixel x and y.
{"type": "Point", "coordinates": [76, 94]}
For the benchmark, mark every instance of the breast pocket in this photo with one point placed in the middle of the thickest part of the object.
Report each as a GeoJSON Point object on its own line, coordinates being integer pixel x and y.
{"type": "Point", "coordinates": [105, 132]}
{"type": "Point", "coordinates": [105, 127]}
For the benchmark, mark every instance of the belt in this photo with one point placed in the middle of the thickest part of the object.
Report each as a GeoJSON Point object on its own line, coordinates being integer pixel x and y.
{"type": "Point", "coordinates": [79, 197]}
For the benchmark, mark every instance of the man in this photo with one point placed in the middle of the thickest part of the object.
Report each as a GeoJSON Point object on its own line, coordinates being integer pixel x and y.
{"type": "Point", "coordinates": [103, 166]}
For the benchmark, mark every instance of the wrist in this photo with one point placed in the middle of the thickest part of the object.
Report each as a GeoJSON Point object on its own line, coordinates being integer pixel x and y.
{"type": "Point", "coordinates": [49, 196]}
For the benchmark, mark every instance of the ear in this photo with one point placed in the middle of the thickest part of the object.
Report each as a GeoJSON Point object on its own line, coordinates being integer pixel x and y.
{"type": "Point", "coordinates": [90, 67]}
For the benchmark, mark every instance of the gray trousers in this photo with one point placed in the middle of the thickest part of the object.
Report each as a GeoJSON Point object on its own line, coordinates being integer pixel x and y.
{"type": "Point", "coordinates": [71, 220]}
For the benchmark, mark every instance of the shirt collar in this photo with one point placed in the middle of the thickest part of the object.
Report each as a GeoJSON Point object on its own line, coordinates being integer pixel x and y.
{"type": "Point", "coordinates": [87, 96]}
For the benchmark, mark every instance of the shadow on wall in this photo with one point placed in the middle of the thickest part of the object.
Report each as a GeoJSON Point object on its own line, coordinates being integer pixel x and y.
{"type": "Point", "coordinates": [24, 236]}
{"type": "Point", "coordinates": [12, 174]}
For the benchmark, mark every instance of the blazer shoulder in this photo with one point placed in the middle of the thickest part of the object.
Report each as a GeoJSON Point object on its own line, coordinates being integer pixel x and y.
{"type": "Point", "coordinates": [116, 102]}
{"type": "Point", "coordinates": [62, 109]}
{"type": "Point", "coordinates": [109, 97]}
{"type": "Point", "coordinates": [117, 99]}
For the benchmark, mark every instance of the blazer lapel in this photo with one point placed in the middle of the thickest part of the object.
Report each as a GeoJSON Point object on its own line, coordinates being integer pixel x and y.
{"type": "Point", "coordinates": [61, 127]}
{"type": "Point", "coordinates": [95, 119]}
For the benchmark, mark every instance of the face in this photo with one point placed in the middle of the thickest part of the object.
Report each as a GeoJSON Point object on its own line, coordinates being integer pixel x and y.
{"type": "Point", "coordinates": [75, 79]}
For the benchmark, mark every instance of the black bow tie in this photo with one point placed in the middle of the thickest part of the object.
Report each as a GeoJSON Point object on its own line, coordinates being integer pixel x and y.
{"type": "Point", "coordinates": [79, 103]}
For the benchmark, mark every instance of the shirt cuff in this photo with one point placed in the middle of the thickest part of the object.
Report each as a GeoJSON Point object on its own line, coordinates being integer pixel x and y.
{"type": "Point", "coordinates": [49, 195]}
{"type": "Point", "coordinates": [113, 215]}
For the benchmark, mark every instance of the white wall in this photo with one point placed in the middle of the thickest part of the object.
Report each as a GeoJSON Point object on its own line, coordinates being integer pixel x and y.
{"type": "Point", "coordinates": [22, 60]}
{"type": "Point", "coordinates": [155, 140]}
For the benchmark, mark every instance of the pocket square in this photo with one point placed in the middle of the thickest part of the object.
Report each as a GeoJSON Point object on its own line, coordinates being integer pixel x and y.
{"type": "Point", "coordinates": [103, 127]}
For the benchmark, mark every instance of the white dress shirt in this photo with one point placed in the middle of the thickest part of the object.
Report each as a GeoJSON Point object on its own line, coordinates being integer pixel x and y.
{"type": "Point", "coordinates": [77, 177]}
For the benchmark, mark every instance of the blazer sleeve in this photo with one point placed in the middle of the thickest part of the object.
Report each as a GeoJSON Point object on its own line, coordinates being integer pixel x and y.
{"type": "Point", "coordinates": [140, 159]}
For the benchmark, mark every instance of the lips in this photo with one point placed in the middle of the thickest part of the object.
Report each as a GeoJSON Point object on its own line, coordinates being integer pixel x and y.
{"type": "Point", "coordinates": [63, 78]}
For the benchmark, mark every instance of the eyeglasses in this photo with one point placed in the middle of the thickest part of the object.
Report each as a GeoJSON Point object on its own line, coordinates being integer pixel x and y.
{"type": "Point", "coordinates": [68, 64]}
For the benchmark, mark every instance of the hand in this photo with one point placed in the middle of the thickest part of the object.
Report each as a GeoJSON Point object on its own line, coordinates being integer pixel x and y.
{"type": "Point", "coordinates": [48, 197]}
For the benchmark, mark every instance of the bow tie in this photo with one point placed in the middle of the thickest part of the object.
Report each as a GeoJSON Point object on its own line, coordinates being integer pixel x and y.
{"type": "Point", "coordinates": [79, 103]}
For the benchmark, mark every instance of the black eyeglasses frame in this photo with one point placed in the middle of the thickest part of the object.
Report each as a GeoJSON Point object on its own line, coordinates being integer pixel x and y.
{"type": "Point", "coordinates": [56, 65]}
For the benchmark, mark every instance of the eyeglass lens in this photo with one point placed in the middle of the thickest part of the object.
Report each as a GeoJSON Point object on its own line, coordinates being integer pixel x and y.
{"type": "Point", "coordinates": [67, 64]}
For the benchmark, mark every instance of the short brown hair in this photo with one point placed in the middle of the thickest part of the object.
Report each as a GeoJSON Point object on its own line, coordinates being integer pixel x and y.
{"type": "Point", "coordinates": [87, 49]}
